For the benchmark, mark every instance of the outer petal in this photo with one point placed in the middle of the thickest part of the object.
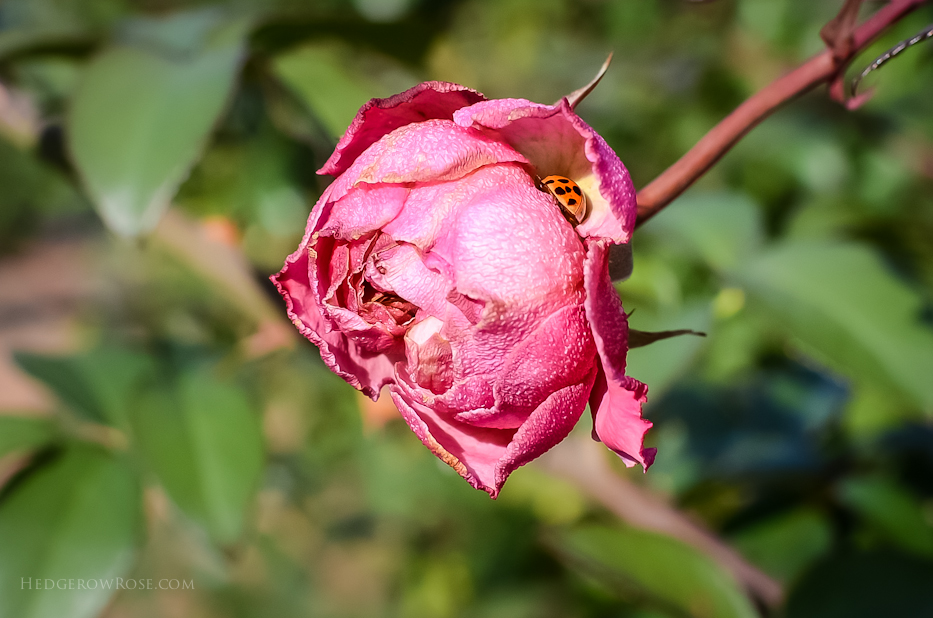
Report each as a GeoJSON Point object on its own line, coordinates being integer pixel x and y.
{"type": "Point", "coordinates": [545, 428]}
{"type": "Point", "coordinates": [616, 399]}
{"type": "Point", "coordinates": [486, 457]}
{"type": "Point", "coordinates": [617, 420]}
{"type": "Point", "coordinates": [382, 116]}
{"type": "Point", "coordinates": [363, 370]}
{"type": "Point", "coordinates": [556, 141]}
{"type": "Point", "coordinates": [429, 151]}
{"type": "Point", "coordinates": [552, 357]}
{"type": "Point", "coordinates": [366, 372]}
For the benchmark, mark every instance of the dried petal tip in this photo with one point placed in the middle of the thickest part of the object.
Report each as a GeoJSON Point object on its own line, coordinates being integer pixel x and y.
{"type": "Point", "coordinates": [578, 95]}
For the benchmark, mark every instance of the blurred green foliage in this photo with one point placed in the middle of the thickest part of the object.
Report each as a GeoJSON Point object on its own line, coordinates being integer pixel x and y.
{"type": "Point", "coordinates": [799, 429]}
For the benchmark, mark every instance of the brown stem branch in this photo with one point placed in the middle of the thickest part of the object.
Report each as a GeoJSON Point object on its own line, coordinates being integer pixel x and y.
{"type": "Point", "coordinates": [820, 69]}
{"type": "Point", "coordinates": [584, 463]}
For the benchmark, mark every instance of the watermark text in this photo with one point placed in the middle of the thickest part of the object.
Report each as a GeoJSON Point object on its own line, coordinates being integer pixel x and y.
{"type": "Point", "coordinates": [115, 583]}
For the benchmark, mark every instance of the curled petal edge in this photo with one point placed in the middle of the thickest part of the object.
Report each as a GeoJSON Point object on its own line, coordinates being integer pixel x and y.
{"type": "Point", "coordinates": [486, 457]}
{"type": "Point", "coordinates": [525, 126]}
{"type": "Point", "coordinates": [378, 117]}
{"type": "Point", "coordinates": [616, 399]}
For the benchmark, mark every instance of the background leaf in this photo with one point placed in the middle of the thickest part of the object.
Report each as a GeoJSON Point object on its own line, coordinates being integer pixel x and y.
{"type": "Point", "coordinates": [723, 228]}
{"type": "Point", "coordinates": [640, 563]}
{"type": "Point", "coordinates": [841, 303]}
{"type": "Point", "coordinates": [74, 519]}
{"type": "Point", "coordinates": [892, 510]}
{"type": "Point", "coordinates": [202, 440]}
{"type": "Point", "coordinates": [334, 80]}
{"type": "Point", "coordinates": [864, 585]}
{"type": "Point", "coordinates": [98, 385]}
{"type": "Point", "coordinates": [23, 433]}
{"type": "Point", "coordinates": [138, 123]}
{"type": "Point", "coordinates": [787, 543]}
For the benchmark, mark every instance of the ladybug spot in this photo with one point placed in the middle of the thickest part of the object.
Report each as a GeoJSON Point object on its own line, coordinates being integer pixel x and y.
{"type": "Point", "coordinates": [571, 201]}
{"type": "Point", "coordinates": [576, 189]}
{"type": "Point", "coordinates": [565, 181]}
{"type": "Point", "coordinates": [549, 181]}
{"type": "Point", "coordinates": [560, 191]}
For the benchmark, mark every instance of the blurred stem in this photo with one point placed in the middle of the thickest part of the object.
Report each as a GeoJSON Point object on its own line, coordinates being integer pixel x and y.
{"type": "Point", "coordinates": [226, 266]}
{"type": "Point", "coordinates": [583, 462]}
{"type": "Point", "coordinates": [824, 68]}
{"type": "Point", "coordinates": [19, 120]}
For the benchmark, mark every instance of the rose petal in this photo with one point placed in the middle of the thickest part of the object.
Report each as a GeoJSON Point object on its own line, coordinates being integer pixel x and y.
{"type": "Point", "coordinates": [486, 457]}
{"type": "Point", "coordinates": [364, 371]}
{"type": "Point", "coordinates": [508, 242]}
{"type": "Point", "coordinates": [473, 452]}
{"type": "Point", "coordinates": [552, 357]}
{"type": "Point", "coordinates": [545, 428]}
{"type": "Point", "coordinates": [616, 399]}
{"type": "Point", "coordinates": [338, 302]}
{"type": "Point", "coordinates": [401, 270]}
{"type": "Point", "coordinates": [429, 355]}
{"type": "Point", "coordinates": [363, 209]}
{"type": "Point", "coordinates": [430, 151]}
{"type": "Point", "coordinates": [617, 420]}
{"type": "Point", "coordinates": [379, 117]}
{"type": "Point", "coordinates": [557, 141]}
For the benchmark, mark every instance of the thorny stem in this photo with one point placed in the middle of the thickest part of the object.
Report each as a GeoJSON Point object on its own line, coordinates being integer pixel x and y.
{"type": "Point", "coordinates": [820, 69]}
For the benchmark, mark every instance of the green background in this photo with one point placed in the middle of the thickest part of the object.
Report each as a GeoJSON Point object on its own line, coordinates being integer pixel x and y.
{"type": "Point", "coordinates": [157, 163]}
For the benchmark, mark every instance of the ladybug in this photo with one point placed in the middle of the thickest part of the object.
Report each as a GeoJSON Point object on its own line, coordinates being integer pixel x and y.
{"type": "Point", "coordinates": [569, 197]}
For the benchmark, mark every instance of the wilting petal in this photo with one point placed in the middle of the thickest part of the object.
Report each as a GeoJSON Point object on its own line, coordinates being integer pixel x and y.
{"type": "Point", "coordinates": [430, 151]}
{"type": "Point", "coordinates": [557, 141]}
{"type": "Point", "coordinates": [545, 428]}
{"type": "Point", "coordinates": [486, 457]}
{"type": "Point", "coordinates": [617, 420]}
{"type": "Point", "coordinates": [473, 452]}
{"type": "Point", "coordinates": [382, 116]}
{"type": "Point", "coordinates": [616, 399]}
{"type": "Point", "coordinates": [552, 357]}
{"type": "Point", "coordinates": [401, 270]}
{"type": "Point", "coordinates": [508, 242]}
{"type": "Point", "coordinates": [365, 371]}
{"type": "Point", "coordinates": [429, 355]}
{"type": "Point", "coordinates": [364, 209]}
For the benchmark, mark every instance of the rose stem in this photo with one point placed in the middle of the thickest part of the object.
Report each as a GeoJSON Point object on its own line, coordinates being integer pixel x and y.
{"type": "Point", "coordinates": [822, 68]}
{"type": "Point", "coordinates": [584, 463]}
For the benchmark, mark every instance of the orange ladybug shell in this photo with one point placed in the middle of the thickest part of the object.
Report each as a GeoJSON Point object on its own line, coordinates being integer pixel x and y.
{"type": "Point", "coordinates": [569, 197]}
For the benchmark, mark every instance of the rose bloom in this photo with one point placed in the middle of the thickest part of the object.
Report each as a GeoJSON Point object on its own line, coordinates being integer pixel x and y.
{"type": "Point", "coordinates": [436, 264]}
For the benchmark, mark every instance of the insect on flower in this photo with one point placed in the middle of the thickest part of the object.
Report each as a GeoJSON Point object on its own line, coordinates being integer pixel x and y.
{"type": "Point", "coordinates": [569, 196]}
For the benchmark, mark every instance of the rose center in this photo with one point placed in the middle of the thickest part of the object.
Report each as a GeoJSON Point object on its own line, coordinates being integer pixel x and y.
{"type": "Point", "coordinates": [402, 311]}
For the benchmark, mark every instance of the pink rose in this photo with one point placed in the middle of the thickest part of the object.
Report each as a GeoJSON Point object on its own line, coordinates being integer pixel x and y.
{"type": "Point", "coordinates": [435, 265]}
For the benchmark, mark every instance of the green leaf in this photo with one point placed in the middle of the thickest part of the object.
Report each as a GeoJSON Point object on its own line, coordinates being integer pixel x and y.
{"type": "Point", "coordinates": [28, 189]}
{"type": "Point", "coordinates": [665, 571]}
{"type": "Point", "coordinates": [786, 544]}
{"type": "Point", "coordinates": [71, 522]}
{"type": "Point", "coordinates": [203, 441]}
{"type": "Point", "coordinates": [139, 121]}
{"type": "Point", "coordinates": [844, 307]}
{"type": "Point", "coordinates": [892, 510]}
{"type": "Point", "coordinates": [641, 338]}
{"type": "Point", "coordinates": [22, 41]}
{"type": "Point", "coordinates": [722, 228]}
{"type": "Point", "coordinates": [65, 379]}
{"type": "Point", "coordinates": [659, 365]}
{"type": "Point", "coordinates": [19, 433]}
{"type": "Point", "coordinates": [335, 80]}
{"type": "Point", "coordinates": [864, 585]}
{"type": "Point", "coordinates": [98, 385]}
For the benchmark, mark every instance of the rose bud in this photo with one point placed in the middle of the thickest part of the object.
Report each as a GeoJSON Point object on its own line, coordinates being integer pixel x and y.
{"type": "Point", "coordinates": [438, 263]}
